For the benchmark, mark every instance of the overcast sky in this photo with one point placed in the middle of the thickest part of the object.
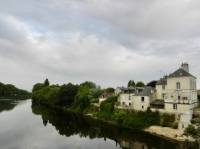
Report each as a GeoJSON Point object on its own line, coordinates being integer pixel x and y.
{"type": "Point", "coordinates": [107, 42]}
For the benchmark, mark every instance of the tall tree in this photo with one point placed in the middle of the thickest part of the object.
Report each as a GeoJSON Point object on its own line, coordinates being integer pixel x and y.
{"type": "Point", "coordinates": [110, 89]}
{"type": "Point", "coordinates": [67, 93]}
{"type": "Point", "coordinates": [46, 82]}
{"type": "Point", "coordinates": [131, 83]}
{"type": "Point", "coordinates": [140, 84]}
{"type": "Point", "coordinates": [89, 84]}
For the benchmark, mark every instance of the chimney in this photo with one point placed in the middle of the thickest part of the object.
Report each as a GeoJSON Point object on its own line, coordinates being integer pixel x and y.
{"type": "Point", "coordinates": [104, 94]}
{"type": "Point", "coordinates": [185, 66]}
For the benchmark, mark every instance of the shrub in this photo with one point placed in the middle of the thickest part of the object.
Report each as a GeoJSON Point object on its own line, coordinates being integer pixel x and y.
{"type": "Point", "coordinates": [175, 126]}
{"type": "Point", "coordinates": [167, 120]}
{"type": "Point", "coordinates": [95, 100]}
{"type": "Point", "coordinates": [191, 130]}
{"type": "Point", "coordinates": [119, 116]}
{"type": "Point", "coordinates": [193, 121]}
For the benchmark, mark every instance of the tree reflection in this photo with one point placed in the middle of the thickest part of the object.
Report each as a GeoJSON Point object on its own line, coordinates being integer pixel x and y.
{"type": "Point", "coordinates": [70, 123]}
{"type": "Point", "coordinates": [7, 105]}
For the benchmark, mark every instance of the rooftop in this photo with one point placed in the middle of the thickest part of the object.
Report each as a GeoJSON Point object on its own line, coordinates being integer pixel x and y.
{"type": "Point", "coordinates": [180, 72]}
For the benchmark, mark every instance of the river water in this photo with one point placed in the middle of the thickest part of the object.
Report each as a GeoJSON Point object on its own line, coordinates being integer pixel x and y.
{"type": "Point", "coordinates": [29, 125]}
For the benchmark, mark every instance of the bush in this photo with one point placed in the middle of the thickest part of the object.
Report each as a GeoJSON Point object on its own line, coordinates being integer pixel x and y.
{"type": "Point", "coordinates": [167, 120]}
{"type": "Point", "coordinates": [191, 130]}
{"type": "Point", "coordinates": [119, 116]}
{"type": "Point", "coordinates": [95, 100]}
{"type": "Point", "coordinates": [108, 104]}
{"type": "Point", "coordinates": [175, 126]}
{"type": "Point", "coordinates": [193, 121]}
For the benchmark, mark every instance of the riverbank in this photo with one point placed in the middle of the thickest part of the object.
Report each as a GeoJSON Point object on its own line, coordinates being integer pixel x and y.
{"type": "Point", "coordinates": [166, 132]}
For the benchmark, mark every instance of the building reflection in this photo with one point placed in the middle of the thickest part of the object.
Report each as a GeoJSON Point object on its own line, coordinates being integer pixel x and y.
{"type": "Point", "coordinates": [132, 145]}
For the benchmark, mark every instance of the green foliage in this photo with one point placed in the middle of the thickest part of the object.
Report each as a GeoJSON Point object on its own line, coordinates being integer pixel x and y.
{"type": "Point", "coordinates": [104, 115]}
{"type": "Point", "coordinates": [131, 83]}
{"type": "Point", "coordinates": [167, 120]}
{"type": "Point", "coordinates": [81, 99]}
{"type": "Point", "coordinates": [67, 94]}
{"type": "Point", "coordinates": [94, 93]}
{"type": "Point", "coordinates": [46, 82]}
{"type": "Point", "coordinates": [89, 84]}
{"type": "Point", "coordinates": [108, 104]}
{"type": "Point", "coordinates": [95, 100]}
{"type": "Point", "coordinates": [175, 126]}
{"type": "Point", "coordinates": [110, 89]}
{"type": "Point", "coordinates": [141, 119]}
{"type": "Point", "coordinates": [37, 86]}
{"type": "Point", "coordinates": [9, 91]}
{"type": "Point", "coordinates": [139, 84]}
{"type": "Point", "coordinates": [119, 116]}
{"type": "Point", "coordinates": [191, 130]}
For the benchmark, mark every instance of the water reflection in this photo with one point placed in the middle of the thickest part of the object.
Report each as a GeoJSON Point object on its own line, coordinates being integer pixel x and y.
{"type": "Point", "coordinates": [7, 105]}
{"type": "Point", "coordinates": [69, 124]}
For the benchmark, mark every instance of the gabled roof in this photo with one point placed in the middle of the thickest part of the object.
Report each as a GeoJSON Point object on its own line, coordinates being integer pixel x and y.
{"type": "Point", "coordinates": [145, 92]}
{"type": "Point", "coordinates": [162, 81]}
{"type": "Point", "coordinates": [180, 73]}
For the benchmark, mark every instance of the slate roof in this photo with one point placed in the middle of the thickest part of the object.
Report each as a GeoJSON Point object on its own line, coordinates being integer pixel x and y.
{"type": "Point", "coordinates": [157, 102]}
{"type": "Point", "coordinates": [162, 81]}
{"type": "Point", "coordinates": [145, 92]}
{"type": "Point", "coordinates": [180, 73]}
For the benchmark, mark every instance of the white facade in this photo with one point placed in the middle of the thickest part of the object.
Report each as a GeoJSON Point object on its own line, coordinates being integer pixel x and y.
{"type": "Point", "coordinates": [175, 94]}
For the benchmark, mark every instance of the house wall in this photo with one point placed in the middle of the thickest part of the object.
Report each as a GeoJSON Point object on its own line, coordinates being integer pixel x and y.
{"type": "Point", "coordinates": [160, 91]}
{"type": "Point", "coordinates": [181, 108]}
{"type": "Point", "coordinates": [186, 83]}
{"type": "Point", "coordinates": [140, 105]}
{"type": "Point", "coordinates": [124, 99]}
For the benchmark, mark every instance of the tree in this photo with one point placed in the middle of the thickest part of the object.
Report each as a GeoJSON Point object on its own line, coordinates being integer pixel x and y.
{"type": "Point", "coordinates": [110, 89]}
{"type": "Point", "coordinates": [46, 82]}
{"type": "Point", "coordinates": [94, 93]}
{"type": "Point", "coordinates": [89, 84]}
{"type": "Point", "coordinates": [81, 99]}
{"type": "Point", "coordinates": [152, 83]}
{"type": "Point", "coordinates": [131, 83]}
{"type": "Point", "coordinates": [139, 84]}
{"type": "Point", "coordinates": [67, 93]}
{"type": "Point", "coordinates": [37, 86]}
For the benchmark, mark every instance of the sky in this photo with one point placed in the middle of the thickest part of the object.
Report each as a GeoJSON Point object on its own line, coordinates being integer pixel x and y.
{"type": "Point", "coordinates": [108, 42]}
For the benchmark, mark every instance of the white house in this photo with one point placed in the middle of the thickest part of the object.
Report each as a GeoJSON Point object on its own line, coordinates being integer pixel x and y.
{"type": "Point", "coordinates": [175, 94]}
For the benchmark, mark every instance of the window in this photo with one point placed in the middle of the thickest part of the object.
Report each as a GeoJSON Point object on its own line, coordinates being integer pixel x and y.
{"type": "Point", "coordinates": [129, 98]}
{"type": "Point", "coordinates": [142, 99]}
{"type": "Point", "coordinates": [163, 87]}
{"type": "Point", "coordinates": [163, 96]}
{"type": "Point", "coordinates": [174, 106]}
{"type": "Point", "coordinates": [178, 85]}
{"type": "Point", "coordinates": [142, 107]}
{"type": "Point", "coordinates": [185, 98]}
{"type": "Point", "coordinates": [129, 104]}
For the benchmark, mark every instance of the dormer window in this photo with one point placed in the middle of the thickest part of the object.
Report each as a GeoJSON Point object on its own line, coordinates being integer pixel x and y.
{"type": "Point", "coordinates": [180, 73]}
{"type": "Point", "coordinates": [178, 85]}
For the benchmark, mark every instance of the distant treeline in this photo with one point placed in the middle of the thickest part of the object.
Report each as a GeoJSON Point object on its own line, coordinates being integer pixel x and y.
{"type": "Point", "coordinates": [77, 97]}
{"type": "Point", "coordinates": [9, 91]}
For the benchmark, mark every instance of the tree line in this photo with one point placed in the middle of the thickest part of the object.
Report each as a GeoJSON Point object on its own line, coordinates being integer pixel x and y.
{"type": "Point", "coordinates": [71, 95]}
{"type": "Point", "coordinates": [12, 92]}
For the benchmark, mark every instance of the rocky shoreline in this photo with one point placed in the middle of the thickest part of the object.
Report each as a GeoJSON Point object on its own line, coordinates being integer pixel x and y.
{"type": "Point", "coordinates": [166, 132]}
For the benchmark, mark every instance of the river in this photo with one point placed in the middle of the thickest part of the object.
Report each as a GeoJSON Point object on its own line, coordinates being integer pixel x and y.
{"type": "Point", "coordinates": [28, 125]}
